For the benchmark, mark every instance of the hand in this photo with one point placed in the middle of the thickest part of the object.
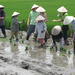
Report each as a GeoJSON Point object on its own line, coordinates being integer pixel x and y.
{"type": "Point", "coordinates": [1, 17]}
{"type": "Point", "coordinates": [42, 31]}
{"type": "Point", "coordinates": [54, 20]}
{"type": "Point", "coordinates": [59, 20]}
{"type": "Point", "coordinates": [20, 22]}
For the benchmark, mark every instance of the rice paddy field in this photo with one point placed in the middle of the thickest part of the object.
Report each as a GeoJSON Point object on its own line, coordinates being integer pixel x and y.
{"type": "Point", "coordinates": [24, 7]}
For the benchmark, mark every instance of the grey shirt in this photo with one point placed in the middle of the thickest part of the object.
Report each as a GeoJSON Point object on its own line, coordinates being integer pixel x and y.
{"type": "Point", "coordinates": [15, 25]}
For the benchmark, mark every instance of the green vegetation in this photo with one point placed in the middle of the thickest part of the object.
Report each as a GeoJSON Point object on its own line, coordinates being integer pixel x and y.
{"type": "Point", "coordinates": [24, 7]}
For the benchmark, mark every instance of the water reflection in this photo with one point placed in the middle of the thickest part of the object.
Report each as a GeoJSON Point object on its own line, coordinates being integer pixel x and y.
{"type": "Point", "coordinates": [49, 56]}
{"type": "Point", "coordinates": [70, 60]}
{"type": "Point", "coordinates": [41, 54]}
{"type": "Point", "coordinates": [70, 70]}
{"type": "Point", "coordinates": [44, 55]}
{"type": "Point", "coordinates": [7, 48]}
{"type": "Point", "coordinates": [58, 53]}
{"type": "Point", "coordinates": [2, 45]}
{"type": "Point", "coordinates": [14, 47]}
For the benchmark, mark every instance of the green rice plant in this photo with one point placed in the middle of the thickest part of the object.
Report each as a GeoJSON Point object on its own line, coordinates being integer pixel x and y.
{"type": "Point", "coordinates": [24, 7]}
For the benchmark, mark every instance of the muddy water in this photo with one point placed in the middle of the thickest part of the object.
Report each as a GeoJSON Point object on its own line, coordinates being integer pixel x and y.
{"type": "Point", "coordinates": [41, 61]}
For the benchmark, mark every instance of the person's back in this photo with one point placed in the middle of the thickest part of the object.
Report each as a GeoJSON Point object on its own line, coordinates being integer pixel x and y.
{"type": "Point", "coordinates": [33, 15]}
{"type": "Point", "coordinates": [15, 25]}
{"type": "Point", "coordinates": [73, 25]}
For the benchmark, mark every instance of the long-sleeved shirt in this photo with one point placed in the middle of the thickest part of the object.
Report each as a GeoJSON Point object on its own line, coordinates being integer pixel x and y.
{"type": "Point", "coordinates": [15, 25]}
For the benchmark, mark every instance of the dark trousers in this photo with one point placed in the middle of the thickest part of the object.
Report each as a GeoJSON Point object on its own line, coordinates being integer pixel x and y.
{"type": "Point", "coordinates": [57, 38]}
{"type": "Point", "coordinates": [31, 30]}
{"type": "Point", "coordinates": [74, 46]}
{"type": "Point", "coordinates": [14, 34]}
{"type": "Point", "coordinates": [3, 30]}
{"type": "Point", "coordinates": [65, 29]}
{"type": "Point", "coordinates": [74, 42]}
{"type": "Point", "coordinates": [65, 36]}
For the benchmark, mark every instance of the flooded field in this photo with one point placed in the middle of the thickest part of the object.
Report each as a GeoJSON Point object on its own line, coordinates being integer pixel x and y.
{"type": "Point", "coordinates": [20, 58]}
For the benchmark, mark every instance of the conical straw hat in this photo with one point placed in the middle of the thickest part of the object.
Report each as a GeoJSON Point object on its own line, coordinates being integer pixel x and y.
{"type": "Point", "coordinates": [62, 9]}
{"type": "Point", "coordinates": [40, 9]}
{"type": "Point", "coordinates": [15, 13]}
{"type": "Point", "coordinates": [68, 20]}
{"type": "Point", "coordinates": [34, 6]}
{"type": "Point", "coordinates": [1, 6]}
{"type": "Point", "coordinates": [56, 30]}
{"type": "Point", "coordinates": [40, 18]}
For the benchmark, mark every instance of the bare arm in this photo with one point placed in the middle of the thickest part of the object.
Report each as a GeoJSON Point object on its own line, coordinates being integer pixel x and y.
{"type": "Point", "coordinates": [46, 18]}
{"type": "Point", "coordinates": [58, 20]}
{"type": "Point", "coordinates": [28, 20]}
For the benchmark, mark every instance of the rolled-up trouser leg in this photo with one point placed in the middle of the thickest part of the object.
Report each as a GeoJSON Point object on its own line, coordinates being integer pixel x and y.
{"type": "Point", "coordinates": [16, 35]}
{"type": "Point", "coordinates": [12, 36]}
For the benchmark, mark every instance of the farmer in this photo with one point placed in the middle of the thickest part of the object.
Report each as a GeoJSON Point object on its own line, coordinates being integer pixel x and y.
{"type": "Point", "coordinates": [57, 37]}
{"type": "Point", "coordinates": [14, 26]}
{"type": "Point", "coordinates": [40, 29]}
{"type": "Point", "coordinates": [42, 12]}
{"type": "Point", "coordinates": [71, 20]}
{"type": "Point", "coordinates": [31, 21]}
{"type": "Point", "coordinates": [62, 13]}
{"type": "Point", "coordinates": [2, 16]}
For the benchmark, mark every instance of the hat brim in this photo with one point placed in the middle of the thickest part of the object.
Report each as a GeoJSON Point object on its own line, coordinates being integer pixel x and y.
{"type": "Point", "coordinates": [68, 20]}
{"type": "Point", "coordinates": [34, 8]}
{"type": "Point", "coordinates": [2, 7]}
{"type": "Point", "coordinates": [15, 15]}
